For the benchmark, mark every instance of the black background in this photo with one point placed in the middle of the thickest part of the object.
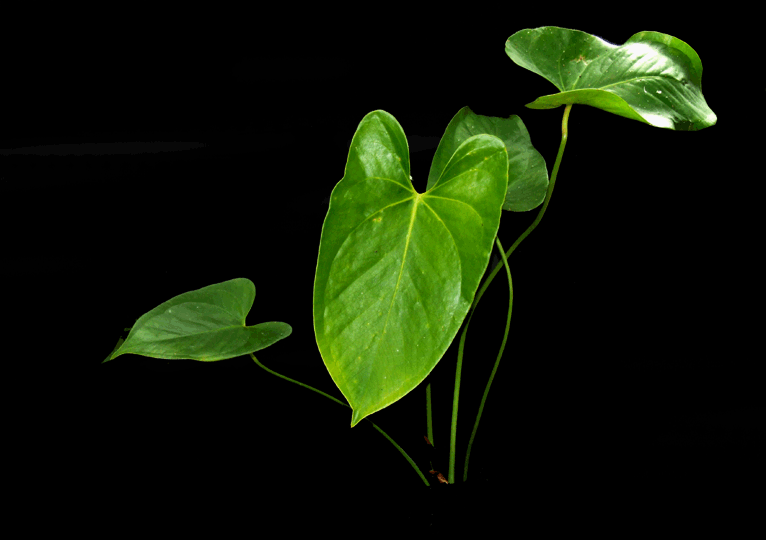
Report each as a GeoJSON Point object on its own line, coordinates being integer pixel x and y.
{"type": "Point", "coordinates": [146, 158]}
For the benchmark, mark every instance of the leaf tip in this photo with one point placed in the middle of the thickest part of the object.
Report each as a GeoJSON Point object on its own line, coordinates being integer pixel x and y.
{"type": "Point", "coordinates": [356, 417]}
{"type": "Point", "coordinates": [114, 354]}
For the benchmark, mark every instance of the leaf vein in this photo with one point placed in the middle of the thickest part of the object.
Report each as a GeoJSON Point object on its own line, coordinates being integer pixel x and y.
{"type": "Point", "coordinates": [404, 259]}
{"type": "Point", "coordinates": [454, 200]}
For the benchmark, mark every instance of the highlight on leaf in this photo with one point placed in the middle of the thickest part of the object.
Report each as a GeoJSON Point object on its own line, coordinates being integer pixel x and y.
{"type": "Point", "coordinates": [653, 78]}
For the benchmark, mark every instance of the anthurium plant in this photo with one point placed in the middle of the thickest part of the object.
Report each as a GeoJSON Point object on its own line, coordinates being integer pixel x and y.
{"type": "Point", "coordinates": [398, 271]}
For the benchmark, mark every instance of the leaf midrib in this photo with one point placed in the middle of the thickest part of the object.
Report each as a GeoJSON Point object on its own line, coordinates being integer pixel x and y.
{"type": "Point", "coordinates": [404, 258]}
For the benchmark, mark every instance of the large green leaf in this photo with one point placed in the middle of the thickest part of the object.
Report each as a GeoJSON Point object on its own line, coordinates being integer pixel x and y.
{"type": "Point", "coordinates": [527, 174]}
{"type": "Point", "coordinates": [207, 325]}
{"type": "Point", "coordinates": [397, 270]}
{"type": "Point", "coordinates": [653, 78]}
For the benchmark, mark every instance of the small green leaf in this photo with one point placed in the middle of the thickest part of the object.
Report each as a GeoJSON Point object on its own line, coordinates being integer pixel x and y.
{"type": "Point", "coordinates": [527, 174]}
{"type": "Point", "coordinates": [653, 78]}
{"type": "Point", "coordinates": [207, 325]}
{"type": "Point", "coordinates": [397, 270]}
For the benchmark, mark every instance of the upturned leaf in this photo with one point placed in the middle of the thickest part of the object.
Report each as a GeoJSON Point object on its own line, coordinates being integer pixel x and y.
{"type": "Point", "coordinates": [527, 174]}
{"type": "Point", "coordinates": [653, 78]}
{"type": "Point", "coordinates": [397, 270]}
{"type": "Point", "coordinates": [207, 325]}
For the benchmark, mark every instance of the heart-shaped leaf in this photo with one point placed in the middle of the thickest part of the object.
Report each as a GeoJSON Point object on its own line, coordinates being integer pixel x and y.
{"type": "Point", "coordinates": [653, 78]}
{"type": "Point", "coordinates": [207, 325]}
{"type": "Point", "coordinates": [527, 174]}
{"type": "Point", "coordinates": [398, 270]}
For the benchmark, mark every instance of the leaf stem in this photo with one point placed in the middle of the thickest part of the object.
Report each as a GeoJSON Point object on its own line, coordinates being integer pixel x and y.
{"type": "Point", "coordinates": [487, 281]}
{"type": "Point", "coordinates": [407, 457]}
{"type": "Point", "coordinates": [497, 361]}
{"type": "Point", "coordinates": [496, 269]}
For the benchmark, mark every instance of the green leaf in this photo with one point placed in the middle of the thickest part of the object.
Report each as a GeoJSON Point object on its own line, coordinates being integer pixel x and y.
{"type": "Point", "coordinates": [207, 325]}
{"type": "Point", "coordinates": [653, 78]}
{"type": "Point", "coordinates": [397, 270]}
{"type": "Point", "coordinates": [527, 174]}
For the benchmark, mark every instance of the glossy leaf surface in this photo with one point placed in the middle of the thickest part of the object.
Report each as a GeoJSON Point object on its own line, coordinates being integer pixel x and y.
{"type": "Point", "coordinates": [397, 270]}
{"type": "Point", "coordinates": [527, 174]}
{"type": "Point", "coordinates": [653, 78]}
{"type": "Point", "coordinates": [207, 325]}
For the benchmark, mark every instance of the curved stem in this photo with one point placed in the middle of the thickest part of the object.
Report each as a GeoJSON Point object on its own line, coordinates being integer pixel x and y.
{"type": "Point", "coordinates": [497, 362]}
{"type": "Point", "coordinates": [496, 269]}
{"type": "Point", "coordinates": [549, 193]}
{"type": "Point", "coordinates": [408, 458]}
